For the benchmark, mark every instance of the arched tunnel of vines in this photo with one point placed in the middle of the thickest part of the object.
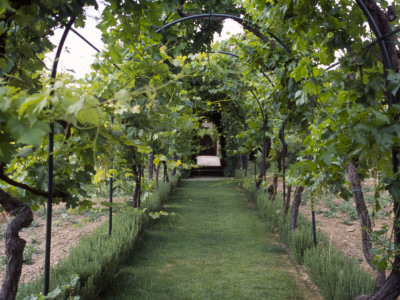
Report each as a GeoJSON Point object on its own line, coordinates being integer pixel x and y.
{"type": "Point", "coordinates": [192, 163]}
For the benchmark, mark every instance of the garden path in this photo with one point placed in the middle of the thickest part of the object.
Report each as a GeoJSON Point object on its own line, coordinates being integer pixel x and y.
{"type": "Point", "coordinates": [213, 245]}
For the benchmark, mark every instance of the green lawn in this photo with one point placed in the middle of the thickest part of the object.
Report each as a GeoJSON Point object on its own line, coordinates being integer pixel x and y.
{"type": "Point", "coordinates": [215, 247]}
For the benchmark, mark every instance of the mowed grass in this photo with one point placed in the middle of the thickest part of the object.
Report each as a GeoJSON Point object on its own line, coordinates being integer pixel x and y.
{"type": "Point", "coordinates": [215, 247]}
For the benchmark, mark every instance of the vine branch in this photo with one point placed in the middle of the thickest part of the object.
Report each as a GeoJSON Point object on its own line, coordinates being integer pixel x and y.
{"type": "Point", "coordinates": [4, 177]}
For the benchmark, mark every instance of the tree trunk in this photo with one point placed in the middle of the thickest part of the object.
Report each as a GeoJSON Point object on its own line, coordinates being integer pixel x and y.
{"type": "Point", "coordinates": [266, 145]}
{"type": "Point", "coordinates": [175, 159]}
{"type": "Point", "coordinates": [166, 177]}
{"type": "Point", "coordinates": [157, 173]}
{"type": "Point", "coordinates": [389, 291]}
{"type": "Point", "coordinates": [151, 165]}
{"type": "Point", "coordinates": [365, 220]}
{"type": "Point", "coordinates": [136, 173]}
{"type": "Point", "coordinates": [136, 194]}
{"type": "Point", "coordinates": [271, 192]}
{"type": "Point", "coordinates": [265, 155]}
{"type": "Point", "coordinates": [15, 245]}
{"type": "Point", "coordinates": [295, 208]}
{"type": "Point", "coordinates": [275, 185]}
{"type": "Point", "coordinates": [287, 202]}
{"type": "Point", "coordinates": [279, 161]}
{"type": "Point", "coordinates": [272, 189]}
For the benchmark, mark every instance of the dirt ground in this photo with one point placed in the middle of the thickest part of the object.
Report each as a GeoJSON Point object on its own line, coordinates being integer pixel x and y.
{"type": "Point", "coordinates": [343, 232]}
{"type": "Point", "coordinates": [67, 229]}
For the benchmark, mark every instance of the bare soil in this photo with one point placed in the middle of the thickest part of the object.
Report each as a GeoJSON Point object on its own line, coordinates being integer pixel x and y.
{"type": "Point", "coordinates": [67, 229]}
{"type": "Point", "coordinates": [343, 232]}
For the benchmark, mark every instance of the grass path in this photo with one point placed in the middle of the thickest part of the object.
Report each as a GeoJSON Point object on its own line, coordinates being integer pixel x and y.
{"type": "Point", "coordinates": [215, 247]}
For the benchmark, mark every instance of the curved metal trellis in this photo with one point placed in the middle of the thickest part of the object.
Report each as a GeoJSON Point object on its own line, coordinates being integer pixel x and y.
{"type": "Point", "coordinates": [50, 163]}
{"type": "Point", "coordinates": [223, 16]}
{"type": "Point", "coordinates": [264, 153]}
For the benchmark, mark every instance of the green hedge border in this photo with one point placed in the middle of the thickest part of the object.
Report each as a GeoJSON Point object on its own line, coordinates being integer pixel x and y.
{"type": "Point", "coordinates": [337, 276]}
{"type": "Point", "coordinates": [98, 256]}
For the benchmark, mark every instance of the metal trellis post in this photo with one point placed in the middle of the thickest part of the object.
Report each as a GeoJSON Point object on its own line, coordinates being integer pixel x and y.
{"type": "Point", "coordinates": [50, 163]}
{"type": "Point", "coordinates": [111, 194]}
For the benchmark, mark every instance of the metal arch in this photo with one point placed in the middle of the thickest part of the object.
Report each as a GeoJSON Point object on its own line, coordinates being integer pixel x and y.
{"type": "Point", "coordinates": [53, 75]}
{"type": "Point", "coordinates": [224, 52]}
{"type": "Point", "coordinates": [236, 18]}
{"type": "Point", "coordinates": [264, 154]}
{"type": "Point", "coordinates": [110, 194]}
{"type": "Point", "coordinates": [284, 150]}
{"type": "Point", "coordinates": [259, 104]}
{"type": "Point", "coordinates": [376, 41]}
{"type": "Point", "coordinates": [382, 46]}
{"type": "Point", "coordinates": [243, 113]}
{"type": "Point", "coordinates": [91, 45]}
{"type": "Point", "coordinates": [237, 56]}
{"type": "Point", "coordinates": [377, 32]}
{"type": "Point", "coordinates": [386, 62]}
{"type": "Point", "coordinates": [393, 32]}
{"type": "Point", "coordinates": [266, 76]}
{"type": "Point", "coordinates": [50, 163]}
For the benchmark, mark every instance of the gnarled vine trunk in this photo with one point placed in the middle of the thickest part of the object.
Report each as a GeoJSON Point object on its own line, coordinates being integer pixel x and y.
{"type": "Point", "coordinates": [265, 155]}
{"type": "Point", "coordinates": [175, 159]}
{"type": "Point", "coordinates": [15, 245]}
{"type": "Point", "coordinates": [138, 182]}
{"type": "Point", "coordinates": [151, 165]}
{"type": "Point", "coordinates": [273, 188]}
{"type": "Point", "coordinates": [157, 173]}
{"type": "Point", "coordinates": [295, 207]}
{"type": "Point", "coordinates": [365, 220]}
{"type": "Point", "coordinates": [287, 202]}
{"type": "Point", "coordinates": [166, 177]}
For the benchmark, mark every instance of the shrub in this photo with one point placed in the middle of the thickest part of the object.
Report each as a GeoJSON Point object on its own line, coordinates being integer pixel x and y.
{"type": "Point", "coordinates": [337, 276]}
{"type": "Point", "coordinates": [97, 257]}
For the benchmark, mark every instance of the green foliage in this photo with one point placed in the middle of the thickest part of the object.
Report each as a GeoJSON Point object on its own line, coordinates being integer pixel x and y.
{"type": "Point", "coordinates": [98, 256]}
{"type": "Point", "coordinates": [349, 209]}
{"type": "Point", "coordinates": [163, 89]}
{"type": "Point", "coordinates": [330, 214]}
{"type": "Point", "coordinates": [66, 289]}
{"type": "Point", "coordinates": [29, 252]}
{"type": "Point", "coordinates": [383, 248]}
{"type": "Point", "coordinates": [3, 262]}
